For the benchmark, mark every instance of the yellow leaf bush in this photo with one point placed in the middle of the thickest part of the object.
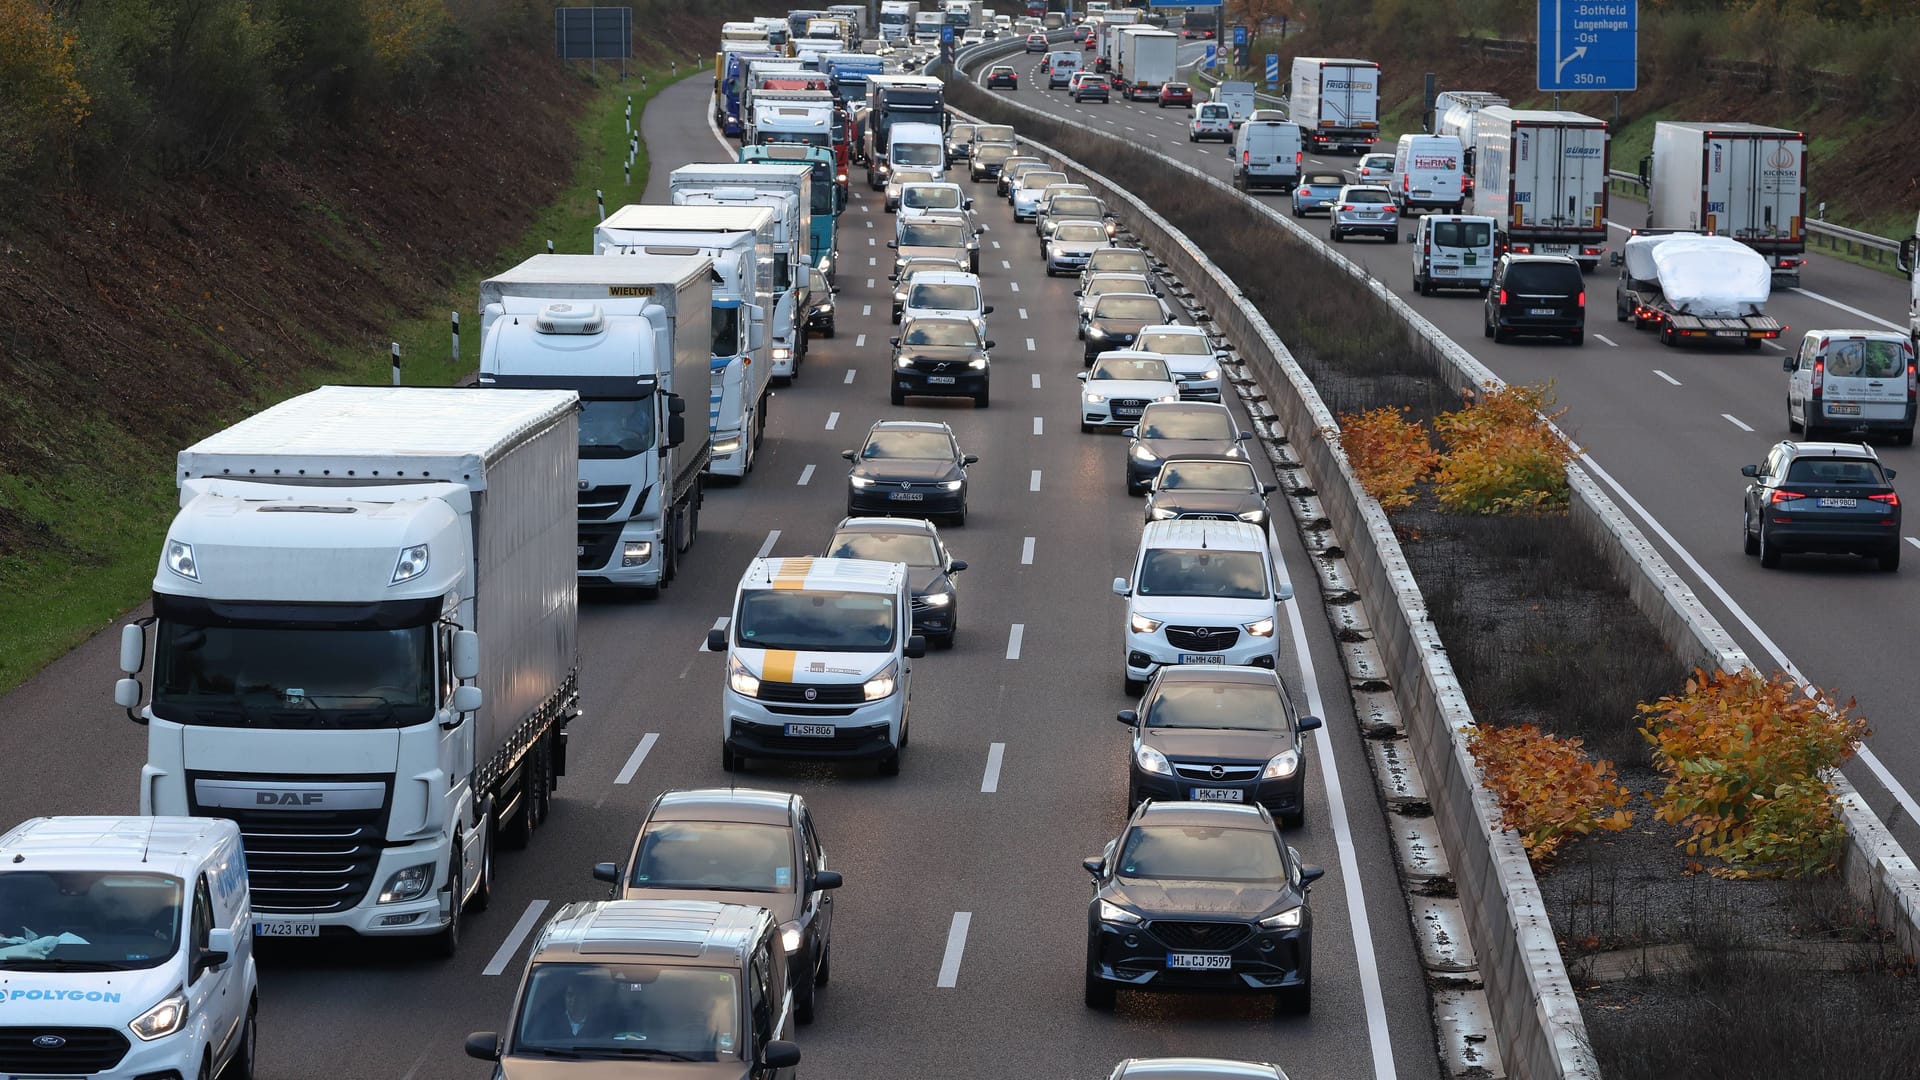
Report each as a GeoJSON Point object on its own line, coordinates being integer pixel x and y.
{"type": "Point", "coordinates": [1389, 453]}
{"type": "Point", "coordinates": [1548, 788]}
{"type": "Point", "coordinates": [1501, 455]}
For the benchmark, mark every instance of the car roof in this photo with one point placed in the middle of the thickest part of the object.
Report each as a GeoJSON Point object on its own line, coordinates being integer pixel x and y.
{"type": "Point", "coordinates": [1206, 815]}
{"type": "Point", "coordinates": [910, 425]}
{"type": "Point", "coordinates": [1849, 451]}
{"type": "Point", "coordinates": [1381, 188]}
{"type": "Point", "coordinates": [1125, 251]}
{"type": "Point", "coordinates": [1191, 407]}
{"type": "Point", "coordinates": [946, 277]}
{"type": "Point", "coordinates": [690, 931]}
{"type": "Point", "coordinates": [1129, 354]}
{"type": "Point", "coordinates": [1874, 335]}
{"type": "Point", "coordinates": [1104, 297]}
{"type": "Point", "coordinates": [1114, 275]}
{"type": "Point", "coordinates": [1313, 177]}
{"type": "Point", "coordinates": [1214, 673]}
{"type": "Point", "coordinates": [1563, 260]}
{"type": "Point", "coordinates": [1195, 1068]}
{"type": "Point", "coordinates": [1213, 535]}
{"type": "Point", "coordinates": [726, 804]}
{"type": "Point", "coordinates": [887, 524]}
{"type": "Point", "coordinates": [1202, 459]}
{"type": "Point", "coordinates": [1174, 328]}
{"type": "Point", "coordinates": [167, 845]}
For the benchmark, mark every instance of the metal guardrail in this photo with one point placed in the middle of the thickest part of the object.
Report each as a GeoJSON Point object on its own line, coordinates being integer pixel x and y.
{"type": "Point", "coordinates": [1865, 245]}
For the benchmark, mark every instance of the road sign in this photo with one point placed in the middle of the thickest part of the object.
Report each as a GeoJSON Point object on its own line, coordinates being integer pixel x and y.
{"type": "Point", "coordinates": [1184, 3]}
{"type": "Point", "coordinates": [593, 33]}
{"type": "Point", "coordinates": [946, 35]}
{"type": "Point", "coordinates": [1273, 71]}
{"type": "Point", "coordinates": [1210, 55]}
{"type": "Point", "coordinates": [1239, 35]}
{"type": "Point", "coordinates": [1589, 44]}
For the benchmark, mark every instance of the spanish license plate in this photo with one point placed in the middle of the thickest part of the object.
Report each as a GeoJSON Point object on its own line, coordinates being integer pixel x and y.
{"type": "Point", "coordinates": [906, 496]}
{"type": "Point", "coordinates": [1542, 311]}
{"type": "Point", "coordinates": [1182, 961]}
{"type": "Point", "coordinates": [940, 380]}
{"type": "Point", "coordinates": [1836, 409]}
{"type": "Point", "coordinates": [810, 731]}
{"type": "Point", "coordinates": [285, 928]}
{"type": "Point", "coordinates": [1202, 658]}
{"type": "Point", "coordinates": [1839, 504]}
{"type": "Point", "coordinates": [1218, 794]}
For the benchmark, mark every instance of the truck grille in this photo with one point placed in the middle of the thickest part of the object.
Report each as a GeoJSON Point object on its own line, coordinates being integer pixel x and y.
{"type": "Point", "coordinates": [82, 1051]}
{"type": "Point", "coordinates": [307, 862]}
{"type": "Point", "coordinates": [1203, 638]}
{"type": "Point", "coordinates": [600, 503]}
{"type": "Point", "coordinates": [596, 545]}
{"type": "Point", "coordinates": [1199, 936]}
{"type": "Point", "coordinates": [844, 694]}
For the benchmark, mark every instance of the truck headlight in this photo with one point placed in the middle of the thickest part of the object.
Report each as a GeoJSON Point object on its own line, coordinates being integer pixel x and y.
{"type": "Point", "coordinates": [783, 354]}
{"type": "Point", "coordinates": [636, 553]}
{"type": "Point", "coordinates": [411, 564]}
{"type": "Point", "coordinates": [881, 685]}
{"type": "Point", "coordinates": [744, 682]}
{"type": "Point", "coordinates": [1260, 627]}
{"type": "Point", "coordinates": [1286, 920]}
{"type": "Point", "coordinates": [408, 884]}
{"type": "Point", "coordinates": [1152, 761]}
{"type": "Point", "coordinates": [1283, 765]}
{"type": "Point", "coordinates": [726, 446]}
{"type": "Point", "coordinates": [165, 1018]}
{"type": "Point", "coordinates": [180, 560]}
{"type": "Point", "coordinates": [1140, 624]}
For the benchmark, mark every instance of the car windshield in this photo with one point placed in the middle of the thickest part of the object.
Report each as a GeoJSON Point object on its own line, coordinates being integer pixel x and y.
{"type": "Point", "coordinates": [631, 1010]}
{"type": "Point", "coordinates": [1177, 88]}
{"type": "Point", "coordinates": [930, 234]}
{"type": "Point", "coordinates": [1075, 206]}
{"type": "Point", "coordinates": [1080, 232]}
{"type": "Point", "coordinates": [960, 133]}
{"type": "Point", "coordinates": [944, 297]}
{"type": "Point", "coordinates": [1366, 196]}
{"type": "Point", "coordinates": [1177, 422]}
{"type": "Point", "coordinates": [1545, 278]}
{"type": "Point", "coordinates": [1834, 471]}
{"type": "Point", "coordinates": [1137, 370]}
{"type": "Point", "coordinates": [813, 620]}
{"type": "Point", "coordinates": [1128, 307]}
{"type": "Point", "coordinates": [1237, 706]}
{"type": "Point", "coordinates": [909, 445]}
{"type": "Point", "coordinates": [993, 152]}
{"type": "Point", "coordinates": [1119, 262]}
{"type": "Point", "coordinates": [1175, 344]}
{"type": "Point", "coordinates": [912, 548]}
{"type": "Point", "coordinates": [1199, 853]}
{"type": "Point", "coordinates": [724, 856]}
{"type": "Point", "coordinates": [1208, 476]}
{"type": "Point", "coordinates": [929, 197]}
{"type": "Point", "coordinates": [994, 133]}
{"type": "Point", "coordinates": [1866, 359]}
{"type": "Point", "coordinates": [941, 332]}
{"type": "Point", "coordinates": [1039, 179]}
{"type": "Point", "coordinates": [1324, 179]}
{"type": "Point", "coordinates": [1001, 69]}
{"type": "Point", "coordinates": [918, 154]}
{"type": "Point", "coordinates": [1475, 234]}
{"type": "Point", "coordinates": [87, 920]}
{"type": "Point", "coordinates": [1229, 575]}
{"type": "Point", "coordinates": [1100, 286]}
{"type": "Point", "coordinates": [616, 428]}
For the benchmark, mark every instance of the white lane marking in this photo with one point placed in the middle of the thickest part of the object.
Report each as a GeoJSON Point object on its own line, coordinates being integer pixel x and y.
{"type": "Point", "coordinates": [1023, 313]}
{"type": "Point", "coordinates": [996, 244]}
{"type": "Point", "coordinates": [990, 782]}
{"type": "Point", "coordinates": [1608, 340]}
{"type": "Point", "coordinates": [1913, 541]}
{"type": "Point", "coordinates": [1015, 284]}
{"type": "Point", "coordinates": [1029, 344]}
{"type": "Point", "coordinates": [1015, 634]}
{"type": "Point", "coordinates": [1735, 421]}
{"type": "Point", "coordinates": [1005, 265]}
{"type": "Point", "coordinates": [638, 756]}
{"type": "Point", "coordinates": [504, 955]}
{"type": "Point", "coordinates": [721, 622]}
{"type": "Point", "coordinates": [1026, 551]}
{"type": "Point", "coordinates": [1033, 484]}
{"type": "Point", "coordinates": [869, 223]}
{"type": "Point", "coordinates": [860, 341]}
{"type": "Point", "coordinates": [1036, 380]}
{"type": "Point", "coordinates": [1867, 757]}
{"type": "Point", "coordinates": [956, 944]}
{"type": "Point", "coordinates": [1772, 344]}
{"type": "Point", "coordinates": [870, 241]}
{"type": "Point", "coordinates": [866, 309]}
{"type": "Point", "coordinates": [869, 283]}
{"type": "Point", "coordinates": [1849, 309]}
{"type": "Point", "coordinates": [1666, 376]}
{"type": "Point", "coordinates": [871, 261]}
{"type": "Point", "coordinates": [1038, 425]}
{"type": "Point", "coordinates": [850, 374]}
{"type": "Point", "coordinates": [766, 546]}
{"type": "Point", "coordinates": [1203, 149]}
{"type": "Point", "coordinates": [833, 421]}
{"type": "Point", "coordinates": [806, 477]}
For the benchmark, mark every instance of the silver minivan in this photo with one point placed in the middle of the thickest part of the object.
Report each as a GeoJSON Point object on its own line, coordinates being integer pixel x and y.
{"type": "Point", "coordinates": [1266, 154]}
{"type": "Point", "coordinates": [1452, 251]}
{"type": "Point", "coordinates": [1851, 380]}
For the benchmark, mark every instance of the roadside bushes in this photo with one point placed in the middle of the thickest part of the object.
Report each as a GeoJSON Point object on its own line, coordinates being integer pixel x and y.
{"type": "Point", "coordinates": [1502, 455]}
{"type": "Point", "coordinates": [1549, 789]}
{"type": "Point", "coordinates": [42, 101]}
{"type": "Point", "coordinates": [1389, 453]}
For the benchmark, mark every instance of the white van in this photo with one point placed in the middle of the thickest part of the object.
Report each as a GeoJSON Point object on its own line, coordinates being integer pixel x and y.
{"type": "Point", "coordinates": [915, 151]}
{"type": "Point", "coordinates": [1266, 153]}
{"type": "Point", "coordinates": [133, 946]}
{"type": "Point", "coordinates": [1453, 251]}
{"type": "Point", "coordinates": [1062, 66]}
{"type": "Point", "coordinates": [1211, 120]}
{"type": "Point", "coordinates": [1202, 592]}
{"type": "Point", "coordinates": [1851, 381]}
{"type": "Point", "coordinates": [1429, 171]}
{"type": "Point", "coordinates": [817, 653]}
{"type": "Point", "coordinates": [1240, 98]}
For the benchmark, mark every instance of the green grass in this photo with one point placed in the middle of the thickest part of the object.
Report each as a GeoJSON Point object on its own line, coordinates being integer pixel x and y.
{"type": "Point", "coordinates": [107, 518]}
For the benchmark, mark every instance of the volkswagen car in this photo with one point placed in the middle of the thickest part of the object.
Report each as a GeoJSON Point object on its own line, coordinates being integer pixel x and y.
{"type": "Point", "coordinates": [912, 467]}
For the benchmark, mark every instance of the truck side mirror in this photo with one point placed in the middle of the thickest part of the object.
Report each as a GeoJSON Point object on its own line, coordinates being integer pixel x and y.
{"type": "Point", "coordinates": [126, 693]}
{"type": "Point", "coordinates": [466, 654]}
{"type": "Point", "coordinates": [133, 648]}
{"type": "Point", "coordinates": [467, 699]}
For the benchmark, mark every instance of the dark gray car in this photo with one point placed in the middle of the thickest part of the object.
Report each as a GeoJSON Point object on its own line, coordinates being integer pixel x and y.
{"type": "Point", "coordinates": [1180, 429]}
{"type": "Point", "coordinates": [1209, 488]}
{"type": "Point", "coordinates": [1219, 734]}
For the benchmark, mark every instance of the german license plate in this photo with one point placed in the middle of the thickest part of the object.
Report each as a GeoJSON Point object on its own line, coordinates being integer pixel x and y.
{"type": "Point", "coordinates": [1839, 504]}
{"type": "Point", "coordinates": [1729, 333]}
{"type": "Point", "coordinates": [1838, 409]}
{"type": "Point", "coordinates": [906, 496]}
{"type": "Point", "coordinates": [1126, 412]}
{"type": "Point", "coordinates": [810, 731]}
{"type": "Point", "coordinates": [285, 928]}
{"type": "Point", "coordinates": [1542, 311]}
{"type": "Point", "coordinates": [1218, 794]}
{"type": "Point", "coordinates": [1183, 961]}
{"type": "Point", "coordinates": [940, 380]}
{"type": "Point", "coordinates": [1202, 658]}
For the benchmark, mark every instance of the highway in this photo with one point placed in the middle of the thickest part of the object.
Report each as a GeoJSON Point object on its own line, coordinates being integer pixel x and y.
{"type": "Point", "coordinates": [1667, 431]}
{"type": "Point", "coordinates": [959, 939]}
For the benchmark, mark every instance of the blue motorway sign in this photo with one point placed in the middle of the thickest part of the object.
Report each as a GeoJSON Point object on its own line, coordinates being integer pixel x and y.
{"type": "Point", "coordinates": [1239, 35]}
{"type": "Point", "coordinates": [946, 35]}
{"type": "Point", "coordinates": [1589, 44]}
{"type": "Point", "coordinates": [1273, 70]}
{"type": "Point", "coordinates": [1209, 55]}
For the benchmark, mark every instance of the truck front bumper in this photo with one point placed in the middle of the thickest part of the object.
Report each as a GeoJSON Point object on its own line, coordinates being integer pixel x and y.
{"type": "Point", "coordinates": [423, 914]}
{"type": "Point", "coordinates": [784, 359]}
{"type": "Point", "coordinates": [623, 555]}
{"type": "Point", "coordinates": [729, 453]}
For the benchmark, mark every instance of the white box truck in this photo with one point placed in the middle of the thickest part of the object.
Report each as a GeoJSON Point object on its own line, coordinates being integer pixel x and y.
{"type": "Point", "coordinates": [740, 242]}
{"type": "Point", "coordinates": [787, 190]}
{"type": "Point", "coordinates": [631, 337]}
{"type": "Point", "coordinates": [1146, 62]}
{"type": "Point", "coordinates": [1336, 102]}
{"type": "Point", "coordinates": [1732, 179]}
{"type": "Point", "coordinates": [1454, 112]}
{"type": "Point", "coordinates": [364, 648]}
{"type": "Point", "coordinates": [856, 16]}
{"type": "Point", "coordinates": [897, 19]}
{"type": "Point", "coordinates": [1543, 175]}
{"type": "Point", "coordinates": [1240, 98]}
{"type": "Point", "coordinates": [1908, 260]}
{"type": "Point", "coordinates": [927, 26]}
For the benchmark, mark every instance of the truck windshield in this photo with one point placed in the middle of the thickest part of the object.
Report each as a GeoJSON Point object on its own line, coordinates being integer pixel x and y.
{"type": "Point", "coordinates": [726, 330]}
{"type": "Point", "coordinates": [616, 429]}
{"type": "Point", "coordinates": [87, 920]}
{"type": "Point", "coordinates": [822, 197]}
{"type": "Point", "coordinates": [816, 621]}
{"type": "Point", "coordinates": [293, 677]}
{"type": "Point", "coordinates": [801, 138]}
{"type": "Point", "coordinates": [629, 1011]}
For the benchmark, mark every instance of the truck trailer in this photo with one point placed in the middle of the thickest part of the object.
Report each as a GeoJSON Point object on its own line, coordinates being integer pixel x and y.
{"type": "Point", "coordinates": [1543, 175]}
{"type": "Point", "coordinates": [1336, 102]}
{"type": "Point", "coordinates": [786, 189]}
{"type": "Point", "coordinates": [1732, 179]}
{"type": "Point", "coordinates": [1147, 62]}
{"type": "Point", "coordinates": [1908, 259]}
{"type": "Point", "coordinates": [1454, 112]}
{"type": "Point", "coordinates": [1694, 289]}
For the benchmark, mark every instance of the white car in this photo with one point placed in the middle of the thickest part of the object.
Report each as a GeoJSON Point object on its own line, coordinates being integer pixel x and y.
{"type": "Point", "coordinates": [1026, 197]}
{"type": "Point", "coordinates": [903, 175]}
{"type": "Point", "coordinates": [1098, 285]}
{"type": "Point", "coordinates": [1211, 120]}
{"type": "Point", "coordinates": [973, 37]}
{"type": "Point", "coordinates": [1189, 354]}
{"type": "Point", "coordinates": [1119, 387]}
{"type": "Point", "coordinates": [1201, 592]}
{"type": "Point", "coordinates": [951, 295]}
{"type": "Point", "coordinates": [1072, 244]}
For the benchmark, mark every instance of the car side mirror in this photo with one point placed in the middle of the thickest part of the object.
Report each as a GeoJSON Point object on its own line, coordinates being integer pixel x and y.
{"type": "Point", "coordinates": [991, 343]}
{"type": "Point", "coordinates": [827, 879]}
{"type": "Point", "coordinates": [606, 871]}
{"type": "Point", "coordinates": [970, 459]}
{"type": "Point", "coordinates": [1081, 375]}
{"type": "Point", "coordinates": [988, 310]}
{"type": "Point", "coordinates": [780, 1054]}
{"type": "Point", "coordinates": [1131, 433]}
{"type": "Point", "coordinates": [1079, 292]}
{"type": "Point", "coordinates": [894, 244]}
{"type": "Point", "coordinates": [1308, 723]}
{"type": "Point", "coordinates": [916, 646]}
{"type": "Point", "coordinates": [1095, 864]}
{"type": "Point", "coordinates": [1614, 259]}
{"type": "Point", "coordinates": [1412, 238]}
{"type": "Point", "coordinates": [1242, 436]}
{"type": "Point", "coordinates": [1791, 363]}
{"type": "Point", "coordinates": [1268, 489]}
{"type": "Point", "coordinates": [956, 566]}
{"type": "Point", "coordinates": [967, 204]}
{"type": "Point", "coordinates": [1749, 470]}
{"type": "Point", "coordinates": [1310, 873]}
{"type": "Point", "coordinates": [1282, 592]}
{"type": "Point", "coordinates": [848, 454]}
{"type": "Point", "coordinates": [219, 947]}
{"type": "Point", "coordinates": [484, 1045]}
{"type": "Point", "coordinates": [717, 640]}
{"type": "Point", "coordinates": [1127, 716]}
{"type": "Point", "coordinates": [893, 341]}
{"type": "Point", "coordinates": [1120, 587]}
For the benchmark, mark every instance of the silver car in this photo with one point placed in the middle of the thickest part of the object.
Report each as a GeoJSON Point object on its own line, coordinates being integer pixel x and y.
{"type": "Point", "coordinates": [1026, 197]}
{"type": "Point", "coordinates": [1190, 355]}
{"type": "Point", "coordinates": [1364, 209]}
{"type": "Point", "coordinates": [1071, 245]}
{"type": "Point", "coordinates": [1119, 260]}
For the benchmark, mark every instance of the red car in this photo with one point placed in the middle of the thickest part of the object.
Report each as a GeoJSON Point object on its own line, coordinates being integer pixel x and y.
{"type": "Point", "coordinates": [1089, 41]}
{"type": "Point", "coordinates": [1175, 93]}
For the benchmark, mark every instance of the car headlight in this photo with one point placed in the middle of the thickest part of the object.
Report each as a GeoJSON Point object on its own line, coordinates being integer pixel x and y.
{"type": "Point", "coordinates": [165, 1018]}
{"type": "Point", "coordinates": [1255, 517]}
{"type": "Point", "coordinates": [1152, 761]}
{"type": "Point", "coordinates": [1286, 920]}
{"type": "Point", "coordinates": [1211, 373]}
{"type": "Point", "coordinates": [881, 685]}
{"type": "Point", "coordinates": [953, 485]}
{"type": "Point", "coordinates": [1159, 514]}
{"type": "Point", "coordinates": [792, 937]}
{"type": "Point", "coordinates": [939, 599]}
{"type": "Point", "coordinates": [978, 363]}
{"type": "Point", "coordinates": [1260, 627]}
{"type": "Point", "coordinates": [744, 682]}
{"type": "Point", "coordinates": [905, 361]}
{"type": "Point", "coordinates": [1283, 765]}
{"type": "Point", "coordinates": [1095, 331]}
{"type": "Point", "coordinates": [1141, 453]}
{"type": "Point", "coordinates": [1095, 399]}
{"type": "Point", "coordinates": [1114, 913]}
{"type": "Point", "coordinates": [1164, 398]}
{"type": "Point", "coordinates": [408, 884]}
{"type": "Point", "coordinates": [1143, 625]}
{"type": "Point", "coordinates": [859, 481]}
{"type": "Point", "coordinates": [1112, 228]}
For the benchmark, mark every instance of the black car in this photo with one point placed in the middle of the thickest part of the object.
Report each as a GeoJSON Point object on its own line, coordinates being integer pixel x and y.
{"type": "Point", "coordinates": [820, 294]}
{"type": "Point", "coordinates": [1219, 734]}
{"type": "Point", "coordinates": [1003, 77]}
{"type": "Point", "coordinates": [1180, 429]}
{"type": "Point", "coordinates": [941, 357]}
{"type": "Point", "coordinates": [985, 163]}
{"type": "Point", "coordinates": [1200, 896]}
{"type": "Point", "coordinates": [1832, 498]}
{"type": "Point", "coordinates": [936, 598]}
{"type": "Point", "coordinates": [1207, 488]}
{"type": "Point", "coordinates": [1117, 318]}
{"type": "Point", "coordinates": [1538, 296]}
{"type": "Point", "coordinates": [911, 467]}
{"type": "Point", "coordinates": [959, 143]}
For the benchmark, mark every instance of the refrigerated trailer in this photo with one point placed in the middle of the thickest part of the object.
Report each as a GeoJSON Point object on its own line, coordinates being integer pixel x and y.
{"type": "Point", "coordinates": [1543, 175]}
{"type": "Point", "coordinates": [1336, 102]}
{"type": "Point", "coordinates": [1741, 180]}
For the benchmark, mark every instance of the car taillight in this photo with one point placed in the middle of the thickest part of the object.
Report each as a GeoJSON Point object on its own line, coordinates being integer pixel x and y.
{"type": "Point", "coordinates": [1785, 496]}
{"type": "Point", "coordinates": [1889, 498]}
{"type": "Point", "coordinates": [1503, 298]}
{"type": "Point", "coordinates": [1583, 298]}
{"type": "Point", "coordinates": [1246, 157]}
{"type": "Point", "coordinates": [1819, 375]}
{"type": "Point", "coordinates": [1346, 209]}
{"type": "Point", "coordinates": [1306, 191]}
{"type": "Point", "coordinates": [1910, 379]}
{"type": "Point", "coordinates": [1297, 155]}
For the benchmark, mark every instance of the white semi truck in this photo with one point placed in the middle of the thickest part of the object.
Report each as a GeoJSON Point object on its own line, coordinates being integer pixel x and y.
{"type": "Point", "coordinates": [364, 649]}
{"type": "Point", "coordinates": [787, 190]}
{"type": "Point", "coordinates": [1336, 102]}
{"type": "Point", "coordinates": [1147, 62]}
{"type": "Point", "coordinates": [739, 242]}
{"type": "Point", "coordinates": [1542, 175]}
{"type": "Point", "coordinates": [1745, 181]}
{"type": "Point", "coordinates": [631, 336]}
{"type": "Point", "coordinates": [1908, 259]}
{"type": "Point", "coordinates": [896, 20]}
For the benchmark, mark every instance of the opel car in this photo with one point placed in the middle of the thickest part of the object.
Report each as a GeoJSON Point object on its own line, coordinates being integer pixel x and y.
{"type": "Point", "coordinates": [1201, 592]}
{"type": "Point", "coordinates": [1219, 734]}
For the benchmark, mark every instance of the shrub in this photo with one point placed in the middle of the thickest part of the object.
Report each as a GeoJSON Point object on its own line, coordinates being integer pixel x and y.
{"type": "Point", "coordinates": [42, 101]}
{"type": "Point", "coordinates": [1501, 455]}
{"type": "Point", "coordinates": [1389, 453]}
{"type": "Point", "coordinates": [1744, 758]}
{"type": "Point", "coordinates": [1548, 788]}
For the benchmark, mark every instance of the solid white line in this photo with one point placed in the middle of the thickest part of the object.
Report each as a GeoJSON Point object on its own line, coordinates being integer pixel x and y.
{"type": "Point", "coordinates": [1036, 380]}
{"type": "Point", "coordinates": [504, 955]}
{"type": "Point", "coordinates": [639, 755]}
{"type": "Point", "coordinates": [850, 373]}
{"type": "Point", "coordinates": [1735, 421]}
{"type": "Point", "coordinates": [956, 944]}
{"type": "Point", "coordinates": [1033, 484]}
{"type": "Point", "coordinates": [1026, 551]}
{"type": "Point", "coordinates": [1023, 313]}
{"type": "Point", "coordinates": [990, 783]}
{"type": "Point", "coordinates": [1830, 301]}
{"type": "Point", "coordinates": [721, 622]}
{"type": "Point", "coordinates": [1914, 542]}
{"type": "Point", "coordinates": [1015, 635]}
{"type": "Point", "coordinates": [860, 341]}
{"type": "Point", "coordinates": [1029, 344]}
{"type": "Point", "coordinates": [1666, 376]}
{"type": "Point", "coordinates": [866, 309]}
{"type": "Point", "coordinates": [1038, 426]}
{"type": "Point", "coordinates": [1608, 340]}
{"type": "Point", "coordinates": [806, 476]}
{"type": "Point", "coordinates": [833, 421]}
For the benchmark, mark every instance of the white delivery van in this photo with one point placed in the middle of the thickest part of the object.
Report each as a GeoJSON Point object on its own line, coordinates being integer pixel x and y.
{"type": "Point", "coordinates": [1211, 120]}
{"type": "Point", "coordinates": [817, 653]}
{"type": "Point", "coordinates": [1062, 66]}
{"type": "Point", "coordinates": [1201, 592]}
{"type": "Point", "coordinates": [1429, 172]}
{"type": "Point", "coordinates": [1266, 153]}
{"type": "Point", "coordinates": [1453, 251]}
{"type": "Point", "coordinates": [126, 948]}
{"type": "Point", "coordinates": [1240, 98]}
{"type": "Point", "coordinates": [1842, 382]}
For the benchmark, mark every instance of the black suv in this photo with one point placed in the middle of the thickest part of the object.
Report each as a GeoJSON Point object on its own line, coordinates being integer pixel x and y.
{"type": "Point", "coordinates": [1537, 295]}
{"type": "Point", "coordinates": [1821, 497]}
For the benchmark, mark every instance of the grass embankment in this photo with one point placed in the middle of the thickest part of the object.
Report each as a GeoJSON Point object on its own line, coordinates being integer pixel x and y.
{"type": "Point", "coordinates": [96, 521]}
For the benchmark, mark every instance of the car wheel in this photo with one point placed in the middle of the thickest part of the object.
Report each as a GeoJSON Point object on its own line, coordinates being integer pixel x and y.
{"type": "Point", "coordinates": [1748, 542]}
{"type": "Point", "coordinates": [897, 396]}
{"type": "Point", "coordinates": [890, 765]}
{"type": "Point", "coordinates": [803, 988]}
{"type": "Point", "coordinates": [1086, 428]}
{"type": "Point", "coordinates": [825, 970]}
{"type": "Point", "coordinates": [1295, 1001]}
{"type": "Point", "coordinates": [240, 1066]}
{"type": "Point", "coordinates": [1890, 558]}
{"type": "Point", "coordinates": [959, 517]}
{"type": "Point", "coordinates": [980, 399]}
{"type": "Point", "coordinates": [827, 330]}
{"type": "Point", "coordinates": [1296, 211]}
{"type": "Point", "coordinates": [1577, 338]}
{"type": "Point", "coordinates": [1134, 687]}
{"type": "Point", "coordinates": [1499, 334]}
{"type": "Point", "coordinates": [1903, 438]}
{"type": "Point", "coordinates": [1294, 820]}
{"type": "Point", "coordinates": [730, 761]}
{"type": "Point", "coordinates": [1335, 235]}
{"type": "Point", "coordinates": [1769, 555]}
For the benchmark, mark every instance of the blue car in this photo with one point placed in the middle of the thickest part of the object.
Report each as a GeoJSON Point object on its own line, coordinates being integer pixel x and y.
{"type": "Point", "coordinates": [1316, 193]}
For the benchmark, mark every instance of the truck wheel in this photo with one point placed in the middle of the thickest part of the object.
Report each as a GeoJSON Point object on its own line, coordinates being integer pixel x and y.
{"type": "Point", "coordinates": [447, 942]}
{"type": "Point", "coordinates": [517, 832]}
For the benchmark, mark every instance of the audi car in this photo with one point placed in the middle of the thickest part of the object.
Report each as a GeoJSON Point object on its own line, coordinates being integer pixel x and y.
{"type": "Point", "coordinates": [1003, 77]}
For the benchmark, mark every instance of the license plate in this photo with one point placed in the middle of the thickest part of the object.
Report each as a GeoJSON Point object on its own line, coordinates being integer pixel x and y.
{"type": "Point", "coordinates": [1202, 658]}
{"type": "Point", "coordinates": [1837, 409]}
{"type": "Point", "coordinates": [285, 928]}
{"type": "Point", "coordinates": [906, 496]}
{"type": "Point", "coordinates": [1542, 311]}
{"type": "Point", "coordinates": [810, 731]}
{"type": "Point", "coordinates": [940, 380]}
{"type": "Point", "coordinates": [1218, 794]}
{"type": "Point", "coordinates": [1839, 504]}
{"type": "Point", "coordinates": [1127, 414]}
{"type": "Point", "coordinates": [1729, 333]}
{"type": "Point", "coordinates": [1199, 961]}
